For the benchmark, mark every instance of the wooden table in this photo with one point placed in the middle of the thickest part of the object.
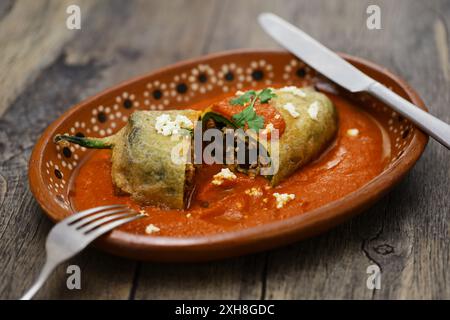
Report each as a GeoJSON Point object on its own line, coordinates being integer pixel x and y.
{"type": "Point", "coordinates": [46, 68]}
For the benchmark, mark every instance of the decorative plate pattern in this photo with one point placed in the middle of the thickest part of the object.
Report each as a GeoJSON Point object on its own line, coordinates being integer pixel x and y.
{"type": "Point", "coordinates": [206, 79]}
{"type": "Point", "coordinates": [190, 85]}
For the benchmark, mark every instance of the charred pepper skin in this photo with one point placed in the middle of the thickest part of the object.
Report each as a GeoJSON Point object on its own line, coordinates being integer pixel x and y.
{"type": "Point", "coordinates": [141, 159]}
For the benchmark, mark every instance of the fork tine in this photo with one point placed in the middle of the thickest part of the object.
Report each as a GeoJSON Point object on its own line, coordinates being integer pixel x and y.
{"type": "Point", "coordinates": [64, 240]}
{"type": "Point", "coordinates": [84, 221]}
{"type": "Point", "coordinates": [85, 213]}
{"type": "Point", "coordinates": [110, 226]}
{"type": "Point", "coordinates": [97, 223]}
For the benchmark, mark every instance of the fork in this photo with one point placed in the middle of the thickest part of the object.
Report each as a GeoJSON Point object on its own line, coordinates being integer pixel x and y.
{"type": "Point", "coordinates": [73, 234]}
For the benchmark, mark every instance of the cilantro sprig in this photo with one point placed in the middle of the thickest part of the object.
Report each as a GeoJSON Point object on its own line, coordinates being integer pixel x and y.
{"type": "Point", "coordinates": [244, 98]}
{"type": "Point", "coordinates": [248, 115]}
{"type": "Point", "coordinates": [265, 95]}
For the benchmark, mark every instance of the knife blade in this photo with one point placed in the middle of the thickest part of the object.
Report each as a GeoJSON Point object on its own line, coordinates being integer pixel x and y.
{"type": "Point", "coordinates": [346, 75]}
{"type": "Point", "coordinates": [314, 53]}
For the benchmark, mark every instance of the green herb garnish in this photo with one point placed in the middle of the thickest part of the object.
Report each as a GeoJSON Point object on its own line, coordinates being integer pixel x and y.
{"type": "Point", "coordinates": [243, 99]}
{"type": "Point", "coordinates": [265, 95]}
{"type": "Point", "coordinates": [248, 115]}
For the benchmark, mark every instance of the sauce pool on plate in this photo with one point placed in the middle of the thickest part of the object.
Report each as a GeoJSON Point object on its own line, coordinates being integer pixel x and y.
{"type": "Point", "coordinates": [357, 155]}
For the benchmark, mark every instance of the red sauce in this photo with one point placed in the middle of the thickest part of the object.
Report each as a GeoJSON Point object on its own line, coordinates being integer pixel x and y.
{"type": "Point", "coordinates": [267, 111]}
{"type": "Point", "coordinates": [346, 166]}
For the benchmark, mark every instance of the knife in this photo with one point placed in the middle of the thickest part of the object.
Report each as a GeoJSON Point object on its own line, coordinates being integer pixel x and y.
{"type": "Point", "coordinates": [346, 75]}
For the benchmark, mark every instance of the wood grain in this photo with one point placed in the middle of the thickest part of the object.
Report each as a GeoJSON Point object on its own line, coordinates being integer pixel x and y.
{"type": "Point", "coordinates": [46, 69]}
{"type": "Point", "coordinates": [40, 26]}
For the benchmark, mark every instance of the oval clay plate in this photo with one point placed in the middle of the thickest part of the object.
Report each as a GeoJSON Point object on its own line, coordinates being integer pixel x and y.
{"type": "Point", "coordinates": [180, 85]}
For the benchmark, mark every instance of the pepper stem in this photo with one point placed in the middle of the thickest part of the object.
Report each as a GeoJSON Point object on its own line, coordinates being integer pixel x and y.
{"type": "Point", "coordinates": [92, 143]}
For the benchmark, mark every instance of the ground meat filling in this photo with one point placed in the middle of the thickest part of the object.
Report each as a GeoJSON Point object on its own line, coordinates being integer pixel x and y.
{"type": "Point", "coordinates": [255, 155]}
{"type": "Point", "coordinates": [251, 160]}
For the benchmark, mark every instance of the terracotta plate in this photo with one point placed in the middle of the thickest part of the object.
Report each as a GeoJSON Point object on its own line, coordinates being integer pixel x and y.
{"type": "Point", "coordinates": [182, 84]}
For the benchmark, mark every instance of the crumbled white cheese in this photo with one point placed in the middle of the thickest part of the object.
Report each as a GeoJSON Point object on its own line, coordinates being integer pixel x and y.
{"type": "Point", "coordinates": [161, 123]}
{"type": "Point", "coordinates": [184, 122]}
{"type": "Point", "coordinates": [224, 174]}
{"type": "Point", "coordinates": [254, 192]}
{"type": "Point", "coordinates": [188, 215]}
{"type": "Point", "coordinates": [269, 128]}
{"type": "Point", "coordinates": [289, 107]}
{"type": "Point", "coordinates": [294, 90]}
{"type": "Point", "coordinates": [353, 132]}
{"type": "Point", "coordinates": [151, 228]}
{"type": "Point", "coordinates": [143, 212]}
{"type": "Point", "coordinates": [239, 93]}
{"type": "Point", "coordinates": [313, 110]}
{"type": "Point", "coordinates": [166, 126]}
{"type": "Point", "coordinates": [277, 116]}
{"type": "Point", "coordinates": [283, 198]}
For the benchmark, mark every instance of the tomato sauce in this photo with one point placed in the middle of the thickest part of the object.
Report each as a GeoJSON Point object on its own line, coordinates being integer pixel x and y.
{"type": "Point", "coordinates": [267, 111]}
{"type": "Point", "coordinates": [349, 163]}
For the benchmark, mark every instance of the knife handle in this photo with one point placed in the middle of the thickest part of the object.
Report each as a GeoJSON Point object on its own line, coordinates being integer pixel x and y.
{"type": "Point", "coordinates": [434, 127]}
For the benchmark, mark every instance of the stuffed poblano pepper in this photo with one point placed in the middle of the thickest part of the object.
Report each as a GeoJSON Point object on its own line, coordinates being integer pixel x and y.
{"type": "Point", "coordinates": [305, 120]}
{"type": "Point", "coordinates": [149, 156]}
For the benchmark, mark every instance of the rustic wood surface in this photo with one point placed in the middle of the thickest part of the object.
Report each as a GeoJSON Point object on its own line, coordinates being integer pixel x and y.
{"type": "Point", "coordinates": [47, 68]}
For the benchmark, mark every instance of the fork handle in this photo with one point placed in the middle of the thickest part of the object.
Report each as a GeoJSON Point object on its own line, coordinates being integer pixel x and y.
{"type": "Point", "coordinates": [45, 273]}
{"type": "Point", "coordinates": [436, 128]}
